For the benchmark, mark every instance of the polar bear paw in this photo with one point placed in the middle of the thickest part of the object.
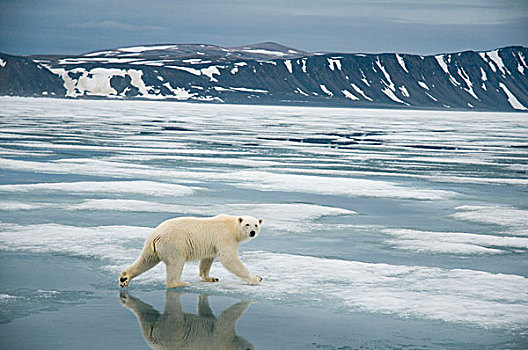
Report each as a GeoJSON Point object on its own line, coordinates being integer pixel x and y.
{"type": "Point", "coordinates": [178, 284]}
{"type": "Point", "coordinates": [254, 280]}
{"type": "Point", "coordinates": [123, 280]}
{"type": "Point", "coordinates": [210, 279]}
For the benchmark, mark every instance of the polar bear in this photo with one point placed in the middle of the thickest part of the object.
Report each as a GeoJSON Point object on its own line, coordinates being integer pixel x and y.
{"type": "Point", "coordinates": [176, 241]}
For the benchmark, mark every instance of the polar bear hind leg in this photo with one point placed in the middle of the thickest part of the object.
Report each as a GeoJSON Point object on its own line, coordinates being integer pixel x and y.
{"type": "Point", "coordinates": [147, 260]}
{"type": "Point", "coordinates": [205, 267]}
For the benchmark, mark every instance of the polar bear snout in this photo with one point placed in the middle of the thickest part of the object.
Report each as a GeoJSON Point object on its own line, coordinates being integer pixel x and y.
{"type": "Point", "coordinates": [252, 234]}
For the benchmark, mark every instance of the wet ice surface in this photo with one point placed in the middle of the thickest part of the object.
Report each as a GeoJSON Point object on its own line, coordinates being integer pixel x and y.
{"type": "Point", "coordinates": [408, 219]}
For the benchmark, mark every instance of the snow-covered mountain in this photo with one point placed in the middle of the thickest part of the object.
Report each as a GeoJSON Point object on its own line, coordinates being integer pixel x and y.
{"type": "Point", "coordinates": [271, 73]}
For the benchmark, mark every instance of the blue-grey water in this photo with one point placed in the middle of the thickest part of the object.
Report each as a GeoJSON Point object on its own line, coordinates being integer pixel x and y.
{"type": "Point", "coordinates": [383, 229]}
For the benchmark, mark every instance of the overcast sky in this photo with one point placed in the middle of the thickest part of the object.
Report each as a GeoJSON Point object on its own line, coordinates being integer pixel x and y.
{"type": "Point", "coordinates": [406, 26]}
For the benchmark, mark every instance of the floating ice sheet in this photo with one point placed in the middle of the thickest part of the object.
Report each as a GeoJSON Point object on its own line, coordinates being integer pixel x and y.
{"type": "Point", "coordinates": [516, 220]}
{"type": "Point", "coordinates": [453, 242]}
{"type": "Point", "coordinates": [133, 187]}
{"type": "Point", "coordinates": [458, 295]}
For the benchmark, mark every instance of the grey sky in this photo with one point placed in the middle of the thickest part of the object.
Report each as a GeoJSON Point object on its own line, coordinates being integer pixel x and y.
{"type": "Point", "coordinates": [407, 26]}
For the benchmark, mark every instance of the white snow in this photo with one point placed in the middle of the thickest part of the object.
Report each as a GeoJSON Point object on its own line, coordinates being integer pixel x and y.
{"type": "Point", "coordinates": [195, 61]}
{"type": "Point", "coordinates": [485, 59]}
{"type": "Point", "coordinates": [244, 89]}
{"type": "Point", "coordinates": [483, 77]}
{"type": "Point", "coordinates": [210, 71]}
{"type": "Point", "coordinates": [266, 181]}
{"type": "Point", "coordinates": [16, 206]}
{"type": "Point", "coordinates": [359, 91]}
{"type": "Point", "coordinates": [221, 89]}
{"type": "Point", "coordinates": [325, 90]}
{"type": "Point", "coordinates": [303, 65]}
{"type": "Point", "coordinates": [334, 62]}
{"type": "Point", "coordinates": [364, 78]}
{"type": "Point", "coordinates": [299, 91]}
{"type": "Point", "coordinates": [522, 65]}
{"type": "Point", "coordinates": [280, 217]}
{"type": "Point", "coordinates": [404, 91]}
{"type": "Point", "coordinates": [147, 48]}
{"type": "Point", "coordinates": [442, 64]}
{"type": "Point", "coordinates": [2, 63]}
{"type": "Point", "coordinates": [513, 218]}
{"type": "Point", "coordinates": [494, 56]}
{"type": "Point", "coordinates": [179, 93]}
{"type": "Point", "coordinates": [100, 53]}
{"type": "Point", "coordinates": [453, 242]}
{"type": "Point", "coordinates": [468, 82]}
{"type": "Point", "coordinates": [349, 95]}
{"type": "Point", "coordinates": [451, 295]}
{"type": "Point", "coordinates": [401, 61]}
{"type": "Point", "coordinates": [150, 188]}
{"type": "Point", "coordinates": [288, 65]}
{"type": "Point", "coordinates": [512, 99]}
{"type": "Point", "coordinates": [392, 96]}
{"type": "Point", "coordinates": [423, 85]}
{"type": "Point", "coordinates": [187, 69]}
{"type": "Point", "coordinates": [96, 82]}
{"type": "Point", "coordinates": [97, 59]}
{"type": "Point", "coordinates": [234, 70]}
{"type": "Point", "coordinates": [388, 79]}
{"type": "Point", "coordinates": [264, 52]}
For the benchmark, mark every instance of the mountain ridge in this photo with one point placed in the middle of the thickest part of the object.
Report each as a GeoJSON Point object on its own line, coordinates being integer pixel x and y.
{"type": "Point", "coordinates": [271, 73]}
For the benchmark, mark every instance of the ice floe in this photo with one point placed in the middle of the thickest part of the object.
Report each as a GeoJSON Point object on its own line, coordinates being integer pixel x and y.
{"type": "Point", "coordinates": [150, 188]}
{"type": "Point", "coordinates": [516, 220]}
{"type": "Point", "coordinates": [453, 295]}
{"type": "Point", "coordinates": [452, 242]}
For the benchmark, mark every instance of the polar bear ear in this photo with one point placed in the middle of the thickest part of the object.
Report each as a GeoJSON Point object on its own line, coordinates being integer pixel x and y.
{"type": "Point", "coordinates": [260, 221]}
{"type": "Point", "coordinates": [240, 220]}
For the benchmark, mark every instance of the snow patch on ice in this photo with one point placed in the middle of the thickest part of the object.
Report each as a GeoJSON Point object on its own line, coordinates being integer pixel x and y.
{"type": "Point", "coordinates": [150, 188]}
{"type": "Point", "coordinates": [516, 220]}
{"type": "Point", "coordinates": [452, 242]}
{"type": "Point", "coordinates": [461, 296]}
{"type": "Point", "coordinates": [266, 181]}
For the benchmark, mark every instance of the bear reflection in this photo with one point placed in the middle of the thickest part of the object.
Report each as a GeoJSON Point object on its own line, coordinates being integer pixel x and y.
{"type": "Point", "coordinates": [175, 329]}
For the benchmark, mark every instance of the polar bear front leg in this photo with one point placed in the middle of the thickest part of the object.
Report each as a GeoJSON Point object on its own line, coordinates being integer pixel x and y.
{"type": "Point", "coordinates": [235, 266]}
{"type": "Point", "coordinates": [174, 271]}
{"type": "Point", "coordinates": [205, 267]}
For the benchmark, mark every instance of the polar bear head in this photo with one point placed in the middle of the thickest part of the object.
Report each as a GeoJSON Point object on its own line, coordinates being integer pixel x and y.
{"type": "Point", "coordinates": [249, 227]}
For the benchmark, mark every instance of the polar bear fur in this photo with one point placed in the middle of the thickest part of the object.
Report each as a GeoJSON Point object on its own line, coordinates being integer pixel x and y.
{"type": "Point", "coordinates": [183, 239]}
